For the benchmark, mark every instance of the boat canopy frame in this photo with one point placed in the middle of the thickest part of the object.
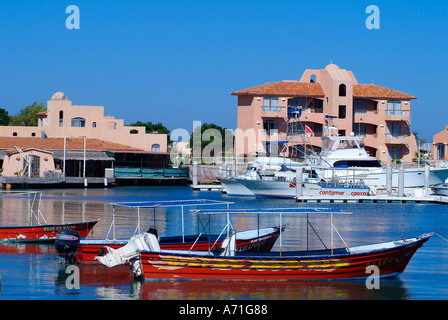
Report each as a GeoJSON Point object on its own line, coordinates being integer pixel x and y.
{"type": "Point", "coordinates": [154, 204]}
{"type": "Point", "coordinates": [281, 211]}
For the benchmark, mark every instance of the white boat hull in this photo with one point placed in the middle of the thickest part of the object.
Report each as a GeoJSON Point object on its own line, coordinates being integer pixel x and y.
{"type": "Point", "coordinates": [441, 190]}
{"type": "Point", "coordinates": [287, 189]}
{"type": "Point", "coordinates": [235, 188]}
{"type": "Point", "coordinates": [413, 178]}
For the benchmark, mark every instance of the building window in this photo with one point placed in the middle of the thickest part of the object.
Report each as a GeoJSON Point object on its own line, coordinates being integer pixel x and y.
{"type": "Point", "coordinates": [342, 112]}
{"type": "Point", "coordinates": [270, 102]}
{"type": "Point", "coordinates": [94, 124]}
{"type": "Point", "coordinates": [394, 153]}
{"type": "Point", "coordinates": [360, 129]}
{"type": "Point", "coordinates": [394, 107]}
{"type": "Point", "coordinates": [33, 134]}
{"type": "Point", "coordinates": [440, 151]}
{"type": "Point", "coordinates": [78, 122]}
{"type": "Point", "coordinates": [155, 147]}
{"type": "Point", "coordinates": [393, 130]}
{"type": "Point", "coordinates": [61, 118]}
{"type": "Point", "coordinates": [35, 165]}
{"type": "Point", "coordinates": [318, 106]}
{"type": "Point", "coordinates": [313, 78]}
{"type": "Point", "coordinates": [133, 131]}
{"type": "Point", "coordinates": [112, 125]}
{"type": "Point", "coordinates": [342, 90]}
{"type": "Point", "coordinates": [14, 134]}
{"type": "Point", "coordinates": [270, 127]}
{"type": "Point", "coordinates": [360, 106]}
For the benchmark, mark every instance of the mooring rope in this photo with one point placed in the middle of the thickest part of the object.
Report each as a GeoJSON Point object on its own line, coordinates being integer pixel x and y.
{"type": "Point", "coordinates": [441, 236]}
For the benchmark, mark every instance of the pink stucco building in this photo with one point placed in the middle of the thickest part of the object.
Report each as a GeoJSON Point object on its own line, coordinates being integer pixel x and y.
{"type": "Point", "coordinates": [328, 97]}
{"type": "Point", "coordinates": [439, 149]}
{"type": "Point", "coordinates": [64, 119]}
{"type": "Point", "coordinates": [80, 141]}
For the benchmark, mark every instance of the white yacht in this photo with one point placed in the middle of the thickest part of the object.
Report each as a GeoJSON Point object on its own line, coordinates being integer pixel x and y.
{"type": "Point", "coordinates": [348, 159]}
{"type": "Point", "coordinates": [342, 157]}
{"type": "Point", "coordinates": [263, 168]}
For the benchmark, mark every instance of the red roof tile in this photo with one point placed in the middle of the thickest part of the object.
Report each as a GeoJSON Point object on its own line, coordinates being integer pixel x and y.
{"type": "Point", "coordinates": [285, 88]}
{"type": "Point", "coordinates": [374, 91]}
{"type": "Point", "coordinates": [58, 144]}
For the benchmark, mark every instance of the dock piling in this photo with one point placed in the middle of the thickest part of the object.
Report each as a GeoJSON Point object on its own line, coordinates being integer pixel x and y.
{"type": "Point", "coordinates": [401, 181]}
{"type": "Point", "coordinates": [195, 173]}
{"type": "Point", "coordinates": [299, 172]}
{"type": "Point", "coordinates": [427, 177]}
{"type": "Point", "coordinates": [389, 179]}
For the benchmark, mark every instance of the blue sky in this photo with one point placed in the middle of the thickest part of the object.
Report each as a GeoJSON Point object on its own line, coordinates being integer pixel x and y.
{"type": "Point", "coordinates": [175, 61]}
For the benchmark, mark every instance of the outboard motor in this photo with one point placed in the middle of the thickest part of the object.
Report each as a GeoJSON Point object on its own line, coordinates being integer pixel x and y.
{"type": "Point", "coordinates": [146, 241]}
{"type": "Point", "coordinates": [66, 244]}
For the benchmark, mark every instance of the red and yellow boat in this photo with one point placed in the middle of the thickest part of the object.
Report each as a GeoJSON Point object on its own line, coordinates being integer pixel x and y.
{"type": "Point", "coordinates": [391, 258]}
{"type": "Point", "coordinates": [246, 241]}
{"type": "Point", "coordinates": [386, 259]}
{"type": "Point", "coordinates": [43, 232]}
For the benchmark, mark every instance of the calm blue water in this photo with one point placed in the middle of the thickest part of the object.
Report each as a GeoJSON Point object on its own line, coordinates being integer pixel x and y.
{"type": "Point", "coordinates": [34, 271]}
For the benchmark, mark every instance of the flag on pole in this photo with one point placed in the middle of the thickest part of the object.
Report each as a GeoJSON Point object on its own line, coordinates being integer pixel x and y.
{"type": "Point", "coordinates": [308, 129]}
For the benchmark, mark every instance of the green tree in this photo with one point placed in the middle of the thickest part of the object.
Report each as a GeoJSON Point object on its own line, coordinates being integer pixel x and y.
{"type": "Point", "coordinates": [27, 116]}
{"type": "Point", "coordinates": [151, 127]}
{"type": "Point", "coordinates": [215, 141]}
{"type": "Point", "coordinates": [4, 117]}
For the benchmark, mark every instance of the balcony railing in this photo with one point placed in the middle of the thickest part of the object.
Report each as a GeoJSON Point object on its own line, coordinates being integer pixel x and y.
{"type": "Point", "coordinates": [396, 136]}
{"type": "Point", "coordinates": [314, 110]}
{"type": "Point", "coordinates": [271, 109]}
{"type": "Point", "coordinates": [397, 112]}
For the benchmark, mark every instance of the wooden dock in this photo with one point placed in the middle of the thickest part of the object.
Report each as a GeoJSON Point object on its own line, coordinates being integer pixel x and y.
{"type": "Point", "coordinates": [379, 198]}
{"type": "Point", "coordinates": [207, 187]}
{"type": "Point", "coordinates": [375, 199]}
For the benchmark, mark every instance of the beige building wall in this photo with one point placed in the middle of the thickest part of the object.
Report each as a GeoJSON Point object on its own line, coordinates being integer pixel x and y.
{"type": "Point", "coordinates": [63, 119]}
{"type": "Point", "coordinates": [439, 150]}
{"type": "Point", "coordinates": [14, 163]}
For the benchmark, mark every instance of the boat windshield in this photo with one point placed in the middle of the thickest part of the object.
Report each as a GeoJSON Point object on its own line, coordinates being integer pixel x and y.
{"type": "Point", "coordinates": [357, 163]}
{"type": "Point", "coordinates": [342, 144]}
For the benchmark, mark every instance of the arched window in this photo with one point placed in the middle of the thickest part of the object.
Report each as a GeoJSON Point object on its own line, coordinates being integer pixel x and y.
{"type": "Point", "coordinates": [112, 125]}
{"type": "Point", "coordinates": [94, 124]}
{"type": "Point", "coordinates": [342, 90]}
{"type": "Point", "coordinates": [313, 78]}
{"type": "Point", "coordinates": [79, 122]}
{"type": "Point", "coordinates": [14, 134]}
{"type": "Point", "coordinates": [155, 147]}
{"type": "Point", "coordinates": [33, 134]}
{"type": "Point", "coordinates": [61, 118]}
{"type": "Point", "coordinates": [133, 131]}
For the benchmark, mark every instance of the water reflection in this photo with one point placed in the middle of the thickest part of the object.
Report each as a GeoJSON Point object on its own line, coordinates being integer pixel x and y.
{"type": "Point", "coordinates": [276, 290]}
{"type": "Point", "coordinates": [33, 271]}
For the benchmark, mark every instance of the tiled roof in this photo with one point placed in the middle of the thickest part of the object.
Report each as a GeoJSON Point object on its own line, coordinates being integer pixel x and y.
{"type": "Point", "coordinates": [285, 88]}
{"type": "Point", "coordinates": [58, 144]}
{"type": "Point", "coordinates": [374, 91]}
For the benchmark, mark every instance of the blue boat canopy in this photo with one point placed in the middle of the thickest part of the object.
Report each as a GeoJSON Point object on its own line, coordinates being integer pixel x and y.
{"type": "Point", "coordinates": [270, 210]}
{"type": "Point", "coordinates": [170, 203]}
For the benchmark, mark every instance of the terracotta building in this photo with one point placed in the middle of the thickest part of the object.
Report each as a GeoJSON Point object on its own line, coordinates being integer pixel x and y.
{"type": "Point", "coordinates": [331, 97]}
{"type": "Point", "coordinates": [439, 149]}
